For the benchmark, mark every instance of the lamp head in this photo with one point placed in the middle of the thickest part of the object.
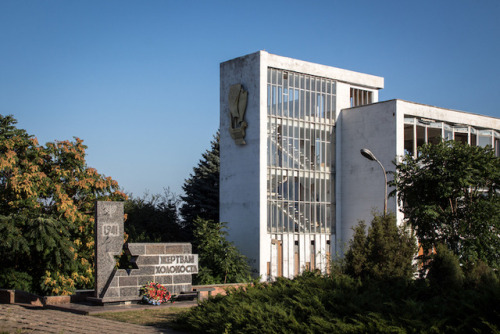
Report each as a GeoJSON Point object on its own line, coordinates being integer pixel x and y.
{"type": "Point", "coordinates": [368, 154]}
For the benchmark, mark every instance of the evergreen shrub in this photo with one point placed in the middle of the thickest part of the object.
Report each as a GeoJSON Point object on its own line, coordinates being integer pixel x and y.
{"type": "Point", "coordinates": [445, 271]}
{"type": "Point", "coordinates": [313, 303]}
{"type": "Point", "coordinates": [386, 252]}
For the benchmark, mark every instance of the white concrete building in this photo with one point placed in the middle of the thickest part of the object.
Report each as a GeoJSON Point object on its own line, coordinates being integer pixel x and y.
{"type": "Point", "coordinates": [293, 182]}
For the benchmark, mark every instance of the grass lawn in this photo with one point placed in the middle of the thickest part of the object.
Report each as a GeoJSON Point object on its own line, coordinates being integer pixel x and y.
{"type": "Point", "coordinates": [159, 318]}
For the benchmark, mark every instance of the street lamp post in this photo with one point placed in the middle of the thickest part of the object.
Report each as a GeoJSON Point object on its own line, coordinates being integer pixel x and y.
{"type": "Point", "coordinates": [369, 155]}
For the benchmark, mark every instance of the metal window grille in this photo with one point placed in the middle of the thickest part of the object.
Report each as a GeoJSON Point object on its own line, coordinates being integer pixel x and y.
{"type": "Point", "coordinates": [300, 125]}
{"type": "Point", "coordinates": [360, 97]}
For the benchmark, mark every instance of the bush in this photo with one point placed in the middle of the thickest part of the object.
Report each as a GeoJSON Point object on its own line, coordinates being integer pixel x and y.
{"type": "Point", "coordinates": [154, 218]}
{"type": "Point", "coordinates": [312, 303]}
{"type": "Point", "coordinates": [18, 280]}
{"type": "Point", "coordinates": [387, 252]}
{"type": "Point", "coordinates": [445, 272]}
{"type": "Point", "coordinates": [220, 261]}
{"type": "Point", "coordinates": [480, 275]}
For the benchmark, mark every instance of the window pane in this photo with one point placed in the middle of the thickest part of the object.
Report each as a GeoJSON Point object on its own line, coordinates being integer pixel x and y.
{"type": "Point", "coordinates": [483, 141]}
{"type": "Point", "coordinates": [462, 137]}
{"type": "Point", "coordinates": [420, 136]}
{"type": "Point", "coordinates": [433, 135]}
{"type": "Point", "coordinates": [408, 139]}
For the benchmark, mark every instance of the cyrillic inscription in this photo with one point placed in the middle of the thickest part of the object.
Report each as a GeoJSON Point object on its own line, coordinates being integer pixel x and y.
{"type": "Point", "coordinates": [177, 264]}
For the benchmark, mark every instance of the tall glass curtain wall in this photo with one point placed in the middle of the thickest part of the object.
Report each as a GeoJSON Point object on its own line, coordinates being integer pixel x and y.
{"type": "Point", "coordinates": [301, 111]}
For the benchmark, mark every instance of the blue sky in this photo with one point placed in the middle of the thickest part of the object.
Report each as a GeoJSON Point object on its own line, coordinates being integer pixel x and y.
{"type": "Point", "coordinates": [138, 81]}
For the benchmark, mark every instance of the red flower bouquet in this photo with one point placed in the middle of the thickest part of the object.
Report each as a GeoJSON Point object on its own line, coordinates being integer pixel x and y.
{"type": "Point", "coordinates": [154, 293]}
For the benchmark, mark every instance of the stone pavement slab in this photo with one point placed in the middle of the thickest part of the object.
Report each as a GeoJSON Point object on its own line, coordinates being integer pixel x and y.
{"type": "Point", "coordinates": [15, 318]}
{"type": "Point", "coordinates": [86, 308]}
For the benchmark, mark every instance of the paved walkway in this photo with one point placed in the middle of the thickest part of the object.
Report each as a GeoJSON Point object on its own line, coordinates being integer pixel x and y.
{"type": "Point", "coordinates": [15, 318]}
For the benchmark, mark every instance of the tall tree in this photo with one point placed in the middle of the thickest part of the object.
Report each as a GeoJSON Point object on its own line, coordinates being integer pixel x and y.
{"type": "Point", "coordinates": [47, 196]}
{"type": "Point", "coordinates": [386, 252]}
{"type": "Point", "coordinates": [153, 218]}
{"type": "Point", "coordinates": [201, 189]}
{"type": "Point", "coordinates": [450, 194]}
{"type": "Point", "coordinates": [220, 261]}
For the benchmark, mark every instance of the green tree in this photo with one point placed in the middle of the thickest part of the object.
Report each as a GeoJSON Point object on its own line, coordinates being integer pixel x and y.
{"type": "Point", "coordinates": [219, 260]}
{"type": "Point", "coordinates": [201, 189]}
{"type": "Point", "coordinates": [47, 196]}
{"type": "Point", "coordinates": [153, 218]}
{"type": "Point", "coordinates": [386, 252]}
{"type": "Point", "coordinates": [444, 270]}
{"type": "Point", "coordinates": [356, 256]}
{"type": "Point", "coordinates": [450, 194]}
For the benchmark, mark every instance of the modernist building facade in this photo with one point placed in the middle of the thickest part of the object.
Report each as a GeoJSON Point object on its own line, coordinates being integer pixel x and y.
{"type": "Point", "coordinates": [293, 182]}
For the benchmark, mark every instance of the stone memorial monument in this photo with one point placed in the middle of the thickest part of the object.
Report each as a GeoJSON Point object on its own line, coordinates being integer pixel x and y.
{"type": "Point", "coordinates": [170, 264]}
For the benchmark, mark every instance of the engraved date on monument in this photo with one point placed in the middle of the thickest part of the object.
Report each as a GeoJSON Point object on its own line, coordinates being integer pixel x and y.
{"type": "Point", "coordinates": [110, 230]}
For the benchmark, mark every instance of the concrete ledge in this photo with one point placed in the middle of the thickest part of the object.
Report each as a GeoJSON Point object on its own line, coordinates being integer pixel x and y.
{"type": "Point", "coordinates": [53, 300]}
{"type": "Point", "coordinates": [7, 296]}
{"type": "Point", "coordinates": [113, 300]}
{"type": "Point", "coordinates": [88, 308]}
{"type": "Point", "coordinates": [16, 296]}
{"type": "Point", "coordinates": [218, 289]}
{"type": "Point", "coordinates": [82, 295]}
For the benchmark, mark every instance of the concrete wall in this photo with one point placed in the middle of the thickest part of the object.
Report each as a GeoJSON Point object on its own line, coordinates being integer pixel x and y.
{"type": "Point", "coordinates": [126, 284]}
{"type": "Point", "coordinates": [240, 165]}
{"type": "Point", "coordinates": [341, 75]}
{"type": "Point", "coordinates": [447, 115]}
{"type": "Point", "coordinates": [343, 102]}
{"type": "Point", "coordinates": [362, 181]}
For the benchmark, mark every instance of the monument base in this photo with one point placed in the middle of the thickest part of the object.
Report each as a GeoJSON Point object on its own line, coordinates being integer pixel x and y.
{"type": "Point", "coordinates": [114, 300]}
{"type": "Point", "coordinates": [169, 264]}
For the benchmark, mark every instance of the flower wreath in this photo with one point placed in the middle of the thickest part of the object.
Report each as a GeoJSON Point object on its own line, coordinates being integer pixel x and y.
{"type": "Point", "coordinates": [154, 293]}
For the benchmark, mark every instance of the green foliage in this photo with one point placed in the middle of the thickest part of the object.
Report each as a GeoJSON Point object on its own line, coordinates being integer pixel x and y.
{"type": "Point", "coordinates": [387, 252]}
{"type": "Point", "coordinates": [479, 275]}
{"type": "Point", "coordinates": [219, 260]}
{"type": "Point", "coordinates": [201, 189]}
{"type": "Point", "coordinates": [14, 279]}
{"type": "Point", "coordinates": [47, 196]}
{"type": "Point", "coordinates": [311, 303]}
{"type": "Point", "coordinates": [450, 195]}
{"type": "Point", "coordinates": [153, 218]}
{"type": "Point", "coordinates": [444, 270]}
{"type": "Point", "coordinates": [356, 256]}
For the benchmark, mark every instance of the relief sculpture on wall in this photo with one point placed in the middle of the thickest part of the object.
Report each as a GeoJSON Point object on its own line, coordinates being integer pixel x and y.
{"type": "Point", "coordinates": [237, 107]}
